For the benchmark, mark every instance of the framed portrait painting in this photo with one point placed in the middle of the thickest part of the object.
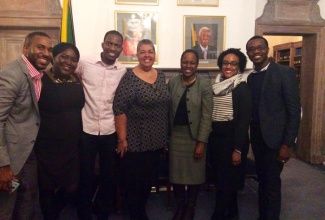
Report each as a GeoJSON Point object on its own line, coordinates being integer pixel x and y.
{"type": "Point", "coordinates": [198, 2]}
{"type": "Point", "coordinates": [205, 35]}
{"type": "Point", "coordinates": [137, 2]}
{"type": "Point", "coordinates": [135, 26]}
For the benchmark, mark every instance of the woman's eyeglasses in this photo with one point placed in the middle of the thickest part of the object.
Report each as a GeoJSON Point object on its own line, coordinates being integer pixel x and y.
{"type": "Point", "coordinates": [232, 64]}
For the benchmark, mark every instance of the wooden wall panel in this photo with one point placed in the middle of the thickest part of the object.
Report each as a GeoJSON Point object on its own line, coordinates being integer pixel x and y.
{"type": "Point", "coordinates": [18, 18]}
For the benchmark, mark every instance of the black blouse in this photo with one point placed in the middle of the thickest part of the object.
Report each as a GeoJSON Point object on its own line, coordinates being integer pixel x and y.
{"type": "Point", "coordinates": [181, 116]}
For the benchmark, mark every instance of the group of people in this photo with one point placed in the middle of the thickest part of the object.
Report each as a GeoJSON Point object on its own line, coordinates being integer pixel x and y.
{"type": "Point", "coordinates": [55, 121]}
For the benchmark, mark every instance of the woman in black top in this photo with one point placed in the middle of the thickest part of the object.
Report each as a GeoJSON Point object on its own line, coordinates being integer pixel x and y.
{"type": "Point", "coordinates": [56, 147]}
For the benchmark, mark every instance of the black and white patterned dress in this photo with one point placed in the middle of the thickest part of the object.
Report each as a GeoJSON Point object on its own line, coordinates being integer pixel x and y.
{"type": "Point", "coordinates": [146, 107]}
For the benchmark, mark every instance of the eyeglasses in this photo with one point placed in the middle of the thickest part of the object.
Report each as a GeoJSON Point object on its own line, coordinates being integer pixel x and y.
{"type": "Point", "coordinates": [156, 90]}
{"type": "Point", "coordinates": [258, 48]}
{"type": "Point", "coordinates": [232, 64]}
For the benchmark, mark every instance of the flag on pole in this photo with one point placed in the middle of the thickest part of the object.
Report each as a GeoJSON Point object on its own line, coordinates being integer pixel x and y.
{"type": "Point", "coordinates": [67, 30]}
{"type": "Point", "coordinates": [194, 37]}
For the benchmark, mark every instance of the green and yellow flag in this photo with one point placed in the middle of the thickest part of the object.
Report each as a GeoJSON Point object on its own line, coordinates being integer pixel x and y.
{"type": "Point", "coordinates": [194, 37]}
{"type": "Point", "coordinates": [67, 30]}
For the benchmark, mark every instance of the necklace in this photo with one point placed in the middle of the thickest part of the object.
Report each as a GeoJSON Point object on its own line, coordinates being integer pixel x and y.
{"type": "Point", "coordinates": [147, 73]}
{"type": "Point", "coordinates": [186, 83]}
{"type": "Point", "coordinates": [57, 78]}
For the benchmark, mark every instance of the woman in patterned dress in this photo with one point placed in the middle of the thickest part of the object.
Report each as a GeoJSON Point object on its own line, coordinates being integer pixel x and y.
{"type": "Point", "coordinates": [141, 119]}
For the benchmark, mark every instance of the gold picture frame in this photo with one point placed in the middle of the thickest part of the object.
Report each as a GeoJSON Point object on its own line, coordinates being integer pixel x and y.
{"type": "Point", "coordinates": [210, 3]}
{"type": "Point", "coordinates": [135, 26]}
{"type": "Point", "coordinates": [213, 34]}
{"type": "Point", "coordinates": [137, 2]}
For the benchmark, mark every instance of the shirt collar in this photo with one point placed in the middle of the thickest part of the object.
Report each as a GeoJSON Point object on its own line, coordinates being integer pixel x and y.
{"type": "Point", "coordinates": [114, 65]}
{"type": "Point", "coordinates": [34, 73]}
{"type": "Point", "coordinates": [265, 68]}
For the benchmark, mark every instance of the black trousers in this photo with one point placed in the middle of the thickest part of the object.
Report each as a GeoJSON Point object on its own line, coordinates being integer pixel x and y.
{"type": "Point", "coordinates": [53, 201]}
{"type": "Point", "coordinates": [139, 174]}
{"type": "Point", "coordinates": [90, 146]}
{"type": "Point", "coordinates": [268, 170]}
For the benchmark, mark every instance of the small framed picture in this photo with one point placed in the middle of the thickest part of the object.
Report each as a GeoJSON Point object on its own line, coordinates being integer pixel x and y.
{"type": "Point", "coordinates": [137, 2]}
{"type": "Point", "coordinates": [205, 35]}
{"type": "Point", "coordinates": [135, 26]}
{"type": "Point", "coordinates": [198, 2]}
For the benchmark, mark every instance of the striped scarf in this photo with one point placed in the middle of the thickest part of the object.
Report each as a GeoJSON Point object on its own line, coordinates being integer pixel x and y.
{"type": "Point", "coordinates": [222, 86]}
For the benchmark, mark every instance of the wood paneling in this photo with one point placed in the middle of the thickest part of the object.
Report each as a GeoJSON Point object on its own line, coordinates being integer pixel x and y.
{"type": "Point", "coordinates": [18, 18]}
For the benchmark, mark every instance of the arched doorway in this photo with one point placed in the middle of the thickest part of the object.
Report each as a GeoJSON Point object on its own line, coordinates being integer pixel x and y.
{"type": "Point", "coordinates": [302, 17]}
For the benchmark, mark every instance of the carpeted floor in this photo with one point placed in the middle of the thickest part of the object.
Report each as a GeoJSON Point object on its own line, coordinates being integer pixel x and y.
{"type": "Point", "coordinates": [303, 197]}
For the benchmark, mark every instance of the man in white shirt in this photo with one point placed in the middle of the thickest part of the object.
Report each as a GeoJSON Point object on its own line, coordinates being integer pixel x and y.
{"type": "Point", "coordinates": [100, 76]}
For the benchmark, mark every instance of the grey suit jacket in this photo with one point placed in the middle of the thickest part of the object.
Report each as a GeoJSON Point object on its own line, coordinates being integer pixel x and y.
{"type": "Point", "coordinates": [19, 116]}
{"type": "Point", "coordinates": [279, 107]}
{"type": "Point", "coordinates": [199, 105]}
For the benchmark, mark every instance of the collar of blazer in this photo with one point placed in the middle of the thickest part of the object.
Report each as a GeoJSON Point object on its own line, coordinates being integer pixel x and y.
{"type": "Point", "coordinates": [30, 81]}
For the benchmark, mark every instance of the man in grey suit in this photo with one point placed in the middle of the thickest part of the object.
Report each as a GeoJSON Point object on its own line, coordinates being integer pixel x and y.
{"type": "Point", "coordinates": [20, 86]}
{"type": "Point", "coordinates": [204, 50]}
{"type": "Point", "coordinates": [275, 123]}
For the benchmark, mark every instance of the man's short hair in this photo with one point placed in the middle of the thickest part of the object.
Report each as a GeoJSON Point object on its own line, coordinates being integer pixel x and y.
{"type": "Point", "coordinates": [258, 37]}
{"type": "Point", "coordinates": [114, 32]}
{"type": "Point", "coordinates": [30, 36]}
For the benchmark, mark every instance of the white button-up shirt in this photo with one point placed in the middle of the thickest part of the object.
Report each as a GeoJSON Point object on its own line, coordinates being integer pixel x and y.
{"type": "Point", "coordinates": [100, 82]}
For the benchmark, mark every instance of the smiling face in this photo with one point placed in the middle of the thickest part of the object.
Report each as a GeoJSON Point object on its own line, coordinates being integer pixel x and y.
{"type": "Point", "coordinates": [112, 48]}
{"type": "Point", "coordinates": [257, 52]}
{"type": "Point", "coordinates": [39, 52]}
{"type": "Point", "coordinates": [189, 65]}
{"type": "Point", "coordinates": [65, 63]}
{"type": "Point", "coordinates": [230, 65]}
{"type": "Point", "coordinates": [146, 56]}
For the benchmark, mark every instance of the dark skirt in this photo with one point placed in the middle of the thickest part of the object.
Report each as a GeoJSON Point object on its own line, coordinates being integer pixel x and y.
{"type": "Point", "coordinates": [224, 174]}
{"type": "Point", "coordinates": [58, 162]}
